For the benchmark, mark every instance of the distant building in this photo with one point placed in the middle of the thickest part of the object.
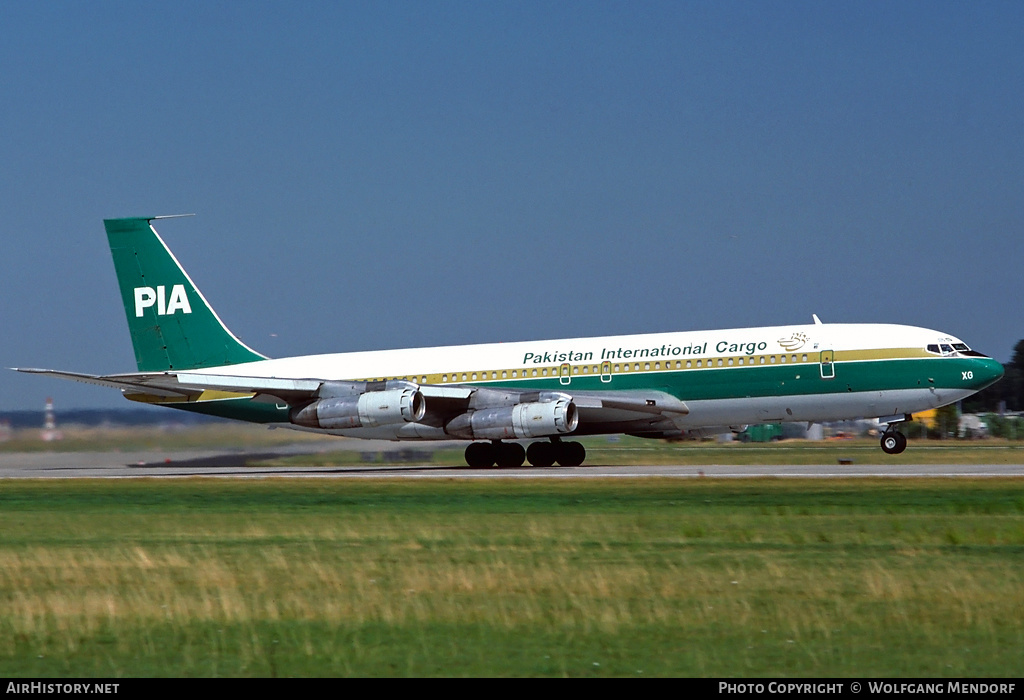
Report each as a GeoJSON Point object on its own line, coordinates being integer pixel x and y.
{"type": "Point", "coordinates": [972, 426]}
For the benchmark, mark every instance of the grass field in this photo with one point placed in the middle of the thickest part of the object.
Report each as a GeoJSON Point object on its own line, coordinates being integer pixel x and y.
{"type": "Point", "coordinates": [512, 578]}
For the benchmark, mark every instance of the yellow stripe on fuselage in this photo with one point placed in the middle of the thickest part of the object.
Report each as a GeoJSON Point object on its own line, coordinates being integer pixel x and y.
{"type": "Point", "coordinates": [633, 367]}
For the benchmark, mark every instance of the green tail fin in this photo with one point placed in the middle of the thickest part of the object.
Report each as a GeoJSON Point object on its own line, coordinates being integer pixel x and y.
{"type": "Point", "coordinates": [171, 324]}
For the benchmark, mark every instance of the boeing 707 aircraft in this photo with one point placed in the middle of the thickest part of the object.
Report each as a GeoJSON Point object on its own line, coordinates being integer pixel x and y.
{"type": "Point", "coordinates": [664, 385]}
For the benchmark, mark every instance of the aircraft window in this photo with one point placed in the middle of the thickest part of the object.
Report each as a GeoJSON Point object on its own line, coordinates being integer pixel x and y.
{"type": "Point", "coordinates": [933, 348]}
{"type": "Point", "coordinates": [544, 372]}
{"type": "Point", "coordinates": [504, 374]}
{"type": "Point", "coordinates": [647, 365]}
{"type": "Point", "coordinates": [444, 378]}
{"type": "Point", "coordinates": [535, 373]}
{"type": "Point", "coordinates": [657, 365]}
{"type": "Point", "coordinates": [794, 358]}
{"type": "Point", "coordinates": [960, 347]}
{"type": "Point", "coordinates": [773, 359]}
{"type": "Point", "coordinates": [730, 362]}
{"type": "Point", "coordinates": [474, 376]}
{"type": "Point", "coordinates": [803, 358]}
{"type": "Point", "coordinates": [782, 359]}
{"type": "Point", "coordinates": [946, 349]}
{"type": "Point", "coordinates": [576, 370]}
{"type": "Point", "coordinates": [586, 370]}
{"type": "Point", "coordinates": [679, 364]}
{"type": "Point", "coordinates": [698, 363]}
{"type": "Point", "coordinates": [616, 368]}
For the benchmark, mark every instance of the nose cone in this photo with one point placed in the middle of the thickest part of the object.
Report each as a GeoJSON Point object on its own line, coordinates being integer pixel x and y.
{"type": "Point", "coordinates": [982, 372]}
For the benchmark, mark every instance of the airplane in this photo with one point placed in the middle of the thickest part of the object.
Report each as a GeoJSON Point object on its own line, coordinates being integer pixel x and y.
{"type": "Point", "coordinates": [663, 385]}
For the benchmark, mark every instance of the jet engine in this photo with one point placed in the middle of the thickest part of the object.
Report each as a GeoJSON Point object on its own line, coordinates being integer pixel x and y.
{"type": "Point", "coordinates": [367, 410]}
{"type": "Point", "coordinates": [524, 420]}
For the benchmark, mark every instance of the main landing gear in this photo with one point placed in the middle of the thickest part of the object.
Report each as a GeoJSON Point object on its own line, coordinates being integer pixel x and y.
{"type": "Point", "coordinates": [893, 441]}
{"type": "Point", "coordinates": [509, 455]}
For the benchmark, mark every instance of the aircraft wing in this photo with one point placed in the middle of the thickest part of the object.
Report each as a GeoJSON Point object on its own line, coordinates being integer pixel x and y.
{"type": "Point", "coordinates": [446, 401]}
{"type": "Point", "coordinates": [639, 410]}
{"type": "Point", "coordinates": [651, 412]}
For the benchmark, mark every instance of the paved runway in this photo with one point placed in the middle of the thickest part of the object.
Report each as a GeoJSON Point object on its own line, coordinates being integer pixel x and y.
{"type": "Point", "coordinates": [115, 465]}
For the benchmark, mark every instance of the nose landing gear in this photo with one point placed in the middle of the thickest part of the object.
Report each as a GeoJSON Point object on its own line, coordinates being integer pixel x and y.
{"type": "Point", "coordinates": [893, 442]}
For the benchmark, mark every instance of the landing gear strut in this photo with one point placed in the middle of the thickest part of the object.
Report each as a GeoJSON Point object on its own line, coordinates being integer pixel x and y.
{"type": "Point", "coordinates": [893, 442]}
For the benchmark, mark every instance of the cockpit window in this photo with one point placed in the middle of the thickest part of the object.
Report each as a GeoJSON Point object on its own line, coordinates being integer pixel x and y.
{"type": "Point", "coordinates": [954, 348]}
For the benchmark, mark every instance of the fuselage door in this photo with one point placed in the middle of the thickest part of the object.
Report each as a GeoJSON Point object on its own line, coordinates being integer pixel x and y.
{"type": "Point", "coordinates": [606, 371]}
{"type": "Point", "coordinates": [828, 368]}
{"type": "Point", "coordinates": [565, 373]}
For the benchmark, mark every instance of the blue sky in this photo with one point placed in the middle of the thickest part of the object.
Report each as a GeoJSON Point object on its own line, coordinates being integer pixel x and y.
{"type": "Point", "coordinates": [395, 174]}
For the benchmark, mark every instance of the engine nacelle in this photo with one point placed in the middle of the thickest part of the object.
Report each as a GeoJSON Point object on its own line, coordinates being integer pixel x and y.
{"type": "Point", "coordinates": [524, 420]}
{"type": "Point", "coordinates": [368, 410]}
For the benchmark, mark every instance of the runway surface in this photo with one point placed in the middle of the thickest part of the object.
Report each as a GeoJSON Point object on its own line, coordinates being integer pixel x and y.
{"type": "Point", "coordinates": [178, 464]}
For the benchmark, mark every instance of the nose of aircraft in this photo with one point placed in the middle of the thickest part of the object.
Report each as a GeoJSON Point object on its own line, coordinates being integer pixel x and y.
{"type": "Point", "coordinates": [982, 372]}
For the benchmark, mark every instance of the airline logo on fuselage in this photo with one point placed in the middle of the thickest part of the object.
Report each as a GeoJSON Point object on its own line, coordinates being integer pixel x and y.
{"type": "Point", "coordinates": [794, 342]}
{"type": "Point", "coordinates": [146, 297]}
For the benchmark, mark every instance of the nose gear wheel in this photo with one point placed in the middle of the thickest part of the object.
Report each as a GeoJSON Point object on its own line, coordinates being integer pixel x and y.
{"type": "Point", "coordinates": [893, 442]}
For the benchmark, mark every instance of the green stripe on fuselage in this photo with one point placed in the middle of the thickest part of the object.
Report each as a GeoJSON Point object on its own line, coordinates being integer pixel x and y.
{"type": "Point", "coordinates": [704, 384]}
